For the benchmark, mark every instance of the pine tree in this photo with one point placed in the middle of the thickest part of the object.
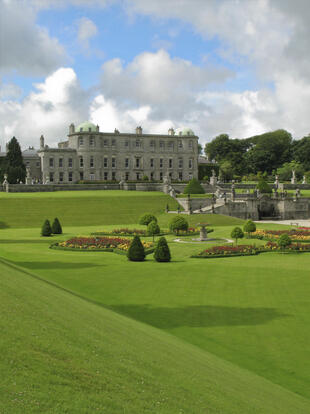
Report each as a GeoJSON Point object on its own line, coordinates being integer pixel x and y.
{"type": "Point", "coordinates": [56, 227]}
{"type": "Point", "coordinates": [136, 251]}
{"type": "Point", "coordinates": [194, 187]}
{"type": "Point", "coordinates": [162, 251]}
{"type": "Point", "coordinates": [46, 229]}
{"type": "Point", "coordinates": [14, 164]}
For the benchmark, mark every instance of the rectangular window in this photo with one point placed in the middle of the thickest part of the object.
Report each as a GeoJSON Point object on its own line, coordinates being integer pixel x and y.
{"type": "Point", "coordinates": [51, 162]}
{"type": "Point", "coordinates": [51, 177]}
{"type": "Point", "coordinates": [113, 175]}
{"type": "Point", "coordinates": [91, 141]}
{"type": "Point", "coordinates": [81, 141]}
{"type": "Point", "coordinates": [60, 163]}
{"type": "Point", "coordinates": [91, 162]}
{"type": "Point", "coordinates": [152, 163]}
{"type": "Point", "coordinates": [190, 163]}
{"type": "Point", "coordinates": [105, 176]}
{"type": "Point", "coordinates": [113, 162]}
{"type": "Point", "coordinates": [190, 176]}
{"type": "Point", "coordinates": [126, 162]}
{"type": "Point", "coordinates": [126, 144]}
{"type": "Point", "coordinates": [70, 162]}
{"type": "Point", "coordinates": [138, 143]}
{"type": "Point", "coordinates": [161, 176]}
{"type": "Point", "coordinates": [113, 143]}
{"type": "Point", "coordinates": [70, 176]}
{"type": "Point", "coordinates": [170, 145]}
{"type": "Point", "coordinates": [138, 176]}
{"type": "Point", "coordinates": [127, 176]}
{"type": "Point", "coordinates": [61, 177]}
{"type": "Point", "coordinates": [81, 162]}
{"type": "Point", "coordinates": [180, 144]}
{"type": "Point", "coordinates": [105, 143]}
{"type": "Point", "coordinates": [190, 144]}
{"type": "Point", "coordinates": [170, 162]}
{"type": "Point", "coordinates": [180, 176]}
{"type": "Point", "coordinates": [152, 144]}
{"type": "Point", "coordinates": [92, 176]}
{"type": "Point", "coordinates": [180, 163]}
{"type": "Point", "coordinates": [161, 163]}
{"type": "Point", "coordinates": [38, 164]}
{"type": "Point", "coordinates": [137, 162]}
{"type": "Point", "coordinates": [105, 162]}
{"type": "Point", "coordinates": [161, 145]}
{"type": "Point", "coordinates": [81, 176]}
{"type": "Point", "coordinates": [152, 176]}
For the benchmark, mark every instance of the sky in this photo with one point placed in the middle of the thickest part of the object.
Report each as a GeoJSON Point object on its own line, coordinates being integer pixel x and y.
{"type": "Point", "coordinates": [239, 67]}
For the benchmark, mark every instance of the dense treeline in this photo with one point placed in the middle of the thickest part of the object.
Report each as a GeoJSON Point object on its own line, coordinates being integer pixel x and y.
{"type": "Point", "coordinates": [267, 154]}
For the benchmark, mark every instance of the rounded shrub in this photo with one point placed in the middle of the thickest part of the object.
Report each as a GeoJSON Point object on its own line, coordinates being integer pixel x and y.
{"type": "Point", "coordinates": [194, 187]}
{"type": "Point", "coordinates": [136, 251]}
{"type": "Point", "coordinates": [147, 218]}
{"type": "Point", "coordinates": [46, 229]}
{"type": "Point", "coordinates": [178, 223]}
{"type": "Point", "coordinates": [264, 187]}
{"type": "Point", "coordinates": [249, 227]}
{"type": "Point", "coordinates": [237, 233]}
{"type": "Point", "coordinates": [153, 229]}
{"type": "Point", "coordinates": [162, 251]}
{"type": "Point", "coordinates": [284, 241]}
{"type": "Point", "coordinates": [56, 227]}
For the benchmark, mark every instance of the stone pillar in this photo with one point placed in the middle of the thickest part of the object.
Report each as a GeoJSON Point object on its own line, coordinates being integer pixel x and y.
{"type": "Point", "coordinates": [28, 176]}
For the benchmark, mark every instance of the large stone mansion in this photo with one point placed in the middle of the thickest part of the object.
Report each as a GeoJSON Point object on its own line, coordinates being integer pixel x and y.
{"type": "Point", "coordinates": [89, 154]}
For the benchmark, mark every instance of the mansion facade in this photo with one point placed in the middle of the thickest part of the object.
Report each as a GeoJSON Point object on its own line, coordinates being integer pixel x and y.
{"type": "Point", "coordinates": [91, 155]}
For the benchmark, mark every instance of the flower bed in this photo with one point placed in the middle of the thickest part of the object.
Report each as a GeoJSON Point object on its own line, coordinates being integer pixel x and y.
{"type": "Point", "coordinates": [109, 244]}
{"type": "Point", "coordinates": [229, 250]}
{"type": "Point", "coordinates": [298, 235]}
{"type": "Point", "coordinates": [293, 247]}
{"type": "Point", "coordinates": [191, 231]}
{"type": "Point", "coordinates": [121, 232]}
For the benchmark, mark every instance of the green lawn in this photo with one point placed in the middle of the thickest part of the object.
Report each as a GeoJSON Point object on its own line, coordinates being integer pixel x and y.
{"type": "Point", "coordinates": [248, 313]}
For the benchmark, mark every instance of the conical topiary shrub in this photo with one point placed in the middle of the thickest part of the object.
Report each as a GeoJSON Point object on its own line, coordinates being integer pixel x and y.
{"type": "Point", "coordinates": [162, 251]}
{"type": "Point", "coordinates": [56, 227]}
{"type": "Point", "coordinates": [194, 187]}
{"type": "Point", "coordinates": [46, 229]}
{"type": "Point", "coordinates": [136, 251]}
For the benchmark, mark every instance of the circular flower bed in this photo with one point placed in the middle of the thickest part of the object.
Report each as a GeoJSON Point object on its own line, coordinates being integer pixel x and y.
{"type": "Point", "coordinates": [99, 244]}
{"type": "Point", "coordinates": [300, 235]}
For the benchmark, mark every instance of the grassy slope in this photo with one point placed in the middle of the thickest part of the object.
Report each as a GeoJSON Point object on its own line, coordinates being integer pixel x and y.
{"type": "Point", "coordinates": [61, 354]}
{"type": "Point", "coordinates": [80, 207]}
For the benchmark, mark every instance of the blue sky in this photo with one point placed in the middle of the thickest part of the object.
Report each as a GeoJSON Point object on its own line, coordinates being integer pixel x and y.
{"type": "Point", "coordinates": [218, 66]}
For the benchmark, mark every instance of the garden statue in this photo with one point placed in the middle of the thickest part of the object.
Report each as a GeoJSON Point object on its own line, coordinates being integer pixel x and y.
{"type": "Point", "coordinates": [277, 182]}
{"type": "Point", "coordinates": [304, 180]}
{"type": "Point", "coordinates": [293, 179]}
{"type": "Point", "coordinates": [213, 178]}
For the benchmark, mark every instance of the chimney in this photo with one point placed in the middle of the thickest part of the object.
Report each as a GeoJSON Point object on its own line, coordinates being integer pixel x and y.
{"type": "Point", "coordinates": [41, 142]}
{"type": "Point", "coordinates": [71, 129]}
{"type": "Point", "coordinates": [139, 130]}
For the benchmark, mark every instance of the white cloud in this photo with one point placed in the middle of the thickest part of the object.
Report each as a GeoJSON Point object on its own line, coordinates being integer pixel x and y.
{"type": "Point", "coordinates": [58, 101]}
{"type": "Point", "coordinates": [24, 46]}
{"type": "Point", "coordinates": [86, 30]}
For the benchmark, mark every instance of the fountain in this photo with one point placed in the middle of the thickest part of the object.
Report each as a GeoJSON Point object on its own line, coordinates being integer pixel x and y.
{"type": "Point", "coordinates": [203, 236]}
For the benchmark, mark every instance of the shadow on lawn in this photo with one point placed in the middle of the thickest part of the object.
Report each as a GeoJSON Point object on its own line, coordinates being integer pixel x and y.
{"type": "Point", "coordinates": [198, 316]}
{"type": "Point", "coordinates": [54, 265]}
{"type": "Point", "coordinates": [4, 225]}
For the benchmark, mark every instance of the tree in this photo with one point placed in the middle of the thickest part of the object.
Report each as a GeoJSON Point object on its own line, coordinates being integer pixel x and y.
{"type": "Point", "coordinates": [13, 164]}
{"type": "Point", "coordinates": [56, 227]}
{"type": "Point", "coordinates": [153, 229]}
{"type": "Point", "coordinates": [147, 218]}
{"type": "Point", "coordinates": [301, 152]}
{"type": "Point", "coordinates": [162, 251]}
{"type": "Point", "coordinates": [136, 251]}
{"type": "Point", "coordinates": [194, 187]}
{"type": "Point", "coordinates": [285, 172]}
{"type": "Point", "coordinates": [226, 170]}
{"type": "Point", "coordinates": [249, 227]}
{"type": "Point", "coordinates": [237, 233]}
{"type": "Point", "coordinates": [46, 229]}
{"type": "Point", "coordinates": [284, 241]}
{"type": "Point", "coordinates": [264, 187]}
{"type": "Point", "coordinates": [178, 223]}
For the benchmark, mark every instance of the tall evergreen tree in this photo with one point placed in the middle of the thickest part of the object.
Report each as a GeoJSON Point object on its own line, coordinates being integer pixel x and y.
{"type": "Point", "coordinates": [14, 165]}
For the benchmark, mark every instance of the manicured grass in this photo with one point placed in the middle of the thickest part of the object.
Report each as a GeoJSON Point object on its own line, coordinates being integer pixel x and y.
{"type": "Point", "coordinates": [80, 207]}
{"type": "Point", "coordinates": [62, 354]}
{"type": "Point", "coordinates": [250, 311]}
